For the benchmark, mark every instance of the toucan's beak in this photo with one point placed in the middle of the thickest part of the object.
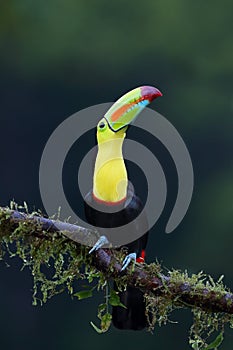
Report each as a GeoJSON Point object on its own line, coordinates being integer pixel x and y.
{"type": "Point", "coordinates": [126, 109]}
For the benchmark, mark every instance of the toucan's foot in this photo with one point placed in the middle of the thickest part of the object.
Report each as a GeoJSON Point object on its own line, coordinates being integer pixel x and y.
{"type": "Point", "coordinates": [130, 257]}
{"type": "Point", "coordinates": [101, 241]}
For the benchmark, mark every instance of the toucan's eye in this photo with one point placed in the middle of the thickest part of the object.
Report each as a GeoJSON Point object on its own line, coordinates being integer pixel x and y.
{"type": "Point", "coordinates": [102, 126]}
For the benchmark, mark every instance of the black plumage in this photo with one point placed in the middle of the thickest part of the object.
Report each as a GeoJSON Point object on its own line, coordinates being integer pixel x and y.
{"type": "Point", "coordinates": [133, 317]}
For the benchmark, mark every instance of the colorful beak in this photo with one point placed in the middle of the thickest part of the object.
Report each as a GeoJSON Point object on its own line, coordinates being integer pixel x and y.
{"type": "Point", "coordinates": [126, 109]}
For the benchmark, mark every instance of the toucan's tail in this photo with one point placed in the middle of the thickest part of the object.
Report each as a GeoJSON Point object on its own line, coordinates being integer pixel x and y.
{"type": "Point", "coordinates": [133, 317]}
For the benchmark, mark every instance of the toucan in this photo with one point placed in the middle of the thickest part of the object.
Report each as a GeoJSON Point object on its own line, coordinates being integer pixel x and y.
{"type": "Point", "coordinates": [111, 190]}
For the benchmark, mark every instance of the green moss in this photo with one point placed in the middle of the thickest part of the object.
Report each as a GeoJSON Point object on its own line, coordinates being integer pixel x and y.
{"type": "Point", "coordinates": [57, 263]}
{"type": "Point", "coordinates": [68, 261]}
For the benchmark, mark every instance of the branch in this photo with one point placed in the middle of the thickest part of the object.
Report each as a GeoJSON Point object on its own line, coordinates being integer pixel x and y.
{"type": "Point", "coordinates": [37, 240]}
{"type": "Point", "coordinates": [181, 290]}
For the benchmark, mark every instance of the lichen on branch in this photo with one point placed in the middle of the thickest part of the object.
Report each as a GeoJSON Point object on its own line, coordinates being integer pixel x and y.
{"type": "Point", "coordinates": [50, 249]}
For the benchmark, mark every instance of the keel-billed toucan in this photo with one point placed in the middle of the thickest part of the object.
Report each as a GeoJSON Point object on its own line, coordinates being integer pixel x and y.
{"type": "Point", "coordinates": [110, 189]}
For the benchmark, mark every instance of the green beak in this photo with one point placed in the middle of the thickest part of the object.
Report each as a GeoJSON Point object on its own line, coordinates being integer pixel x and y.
{"type": "Point", "coordinates": [126, 109]}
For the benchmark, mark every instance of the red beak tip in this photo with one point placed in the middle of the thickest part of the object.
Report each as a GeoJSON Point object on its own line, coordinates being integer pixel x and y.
{"type": "Point", "coordinates": [151, 91]}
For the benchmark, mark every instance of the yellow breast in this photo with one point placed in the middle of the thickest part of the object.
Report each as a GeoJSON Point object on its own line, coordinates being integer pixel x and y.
{"type": "Point", "coordinates": [110, 180]}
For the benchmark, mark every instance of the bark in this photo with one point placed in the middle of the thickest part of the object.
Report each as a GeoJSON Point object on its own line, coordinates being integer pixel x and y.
{"type": "Point", "coordinates": [182, 292]}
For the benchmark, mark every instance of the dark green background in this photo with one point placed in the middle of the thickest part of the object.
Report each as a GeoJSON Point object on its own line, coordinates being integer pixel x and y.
{"type": "Point", "coordinates": [58, 57]}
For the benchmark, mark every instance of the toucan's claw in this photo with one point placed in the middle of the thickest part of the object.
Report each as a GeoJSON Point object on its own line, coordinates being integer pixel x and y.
{"type": "Point", "coordinates": [130, 257]}
{"type": "Point", "coordinates": [101, 241]}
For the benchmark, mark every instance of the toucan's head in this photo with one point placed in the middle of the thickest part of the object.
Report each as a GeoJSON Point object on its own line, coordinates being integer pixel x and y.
{"type": "Point", "coordinates": [110, 179]}
{"type": "Point", "coordinates": [123, 112]}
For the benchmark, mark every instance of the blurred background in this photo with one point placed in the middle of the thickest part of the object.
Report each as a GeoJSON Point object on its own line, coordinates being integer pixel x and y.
{"type": "Point", "coordinates": [58, 57]}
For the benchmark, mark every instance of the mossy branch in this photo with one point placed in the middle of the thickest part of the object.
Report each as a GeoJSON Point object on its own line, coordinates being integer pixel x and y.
{"type": "Point", "coordinates": [38, 241]}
